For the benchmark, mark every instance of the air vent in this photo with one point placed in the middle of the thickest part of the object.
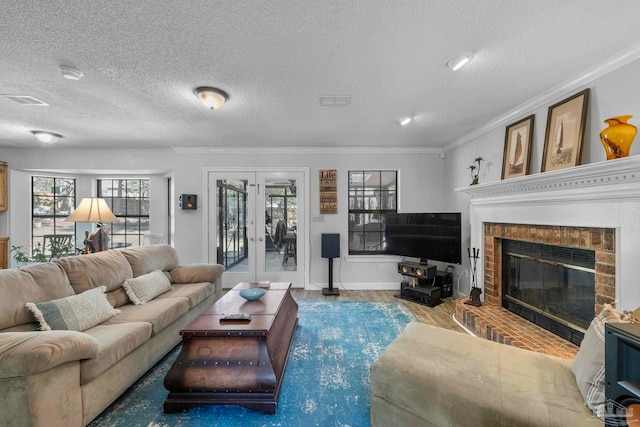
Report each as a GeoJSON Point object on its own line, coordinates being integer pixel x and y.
{"type": "Point", "coordinates": [335, 101]}
{"type": "Point", "coordinates": [26, 100]}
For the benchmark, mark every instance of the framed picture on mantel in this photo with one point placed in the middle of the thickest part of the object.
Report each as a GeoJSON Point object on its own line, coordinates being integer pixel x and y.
{"type": "Point", "coordinates": [565, 132]}
{"type": "Point", "coordinates": [517, 148]}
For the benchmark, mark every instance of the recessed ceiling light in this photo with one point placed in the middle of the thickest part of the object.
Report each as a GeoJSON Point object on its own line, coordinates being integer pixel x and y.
{"type": "Point", "coordinates": [459, 60]}
{"type": "Point", "coordinates": [70, 73]}
{"type": "Point", "coordinates": [211, 97]}
{"type": "Point", "coordinates": [46, 137]}
{"type": "Point", "coordinates": [404, 121]}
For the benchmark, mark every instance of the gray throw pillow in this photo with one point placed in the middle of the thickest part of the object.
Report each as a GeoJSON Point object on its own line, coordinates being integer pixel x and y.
{"type": "Point", "coordinates": [75, 313]}
{"type": "Point", "coordinates": [146, 287]}
{"type": "Point", "coordinates": [588, 366]}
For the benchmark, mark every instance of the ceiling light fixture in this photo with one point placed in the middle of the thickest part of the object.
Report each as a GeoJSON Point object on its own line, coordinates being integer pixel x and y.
{"type": "Point", "coordinates": [211, 97]}
{"type": "Point", "coordinates": [405, 121]}
{"type": "Point", "coordinates": [459, 60]}
{"type": "Point", "coordinates": [70, 73]}
{"type": "Point", "coordinates": [46, 137]}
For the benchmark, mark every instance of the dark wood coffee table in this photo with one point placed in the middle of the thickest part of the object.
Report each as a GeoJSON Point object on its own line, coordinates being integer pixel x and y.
{"type": "Point", "coordinates": [239, 364]}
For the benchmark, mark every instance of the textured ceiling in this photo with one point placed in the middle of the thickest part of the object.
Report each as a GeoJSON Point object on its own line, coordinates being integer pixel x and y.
{"type": "Point", "coordinates": [142, 60]}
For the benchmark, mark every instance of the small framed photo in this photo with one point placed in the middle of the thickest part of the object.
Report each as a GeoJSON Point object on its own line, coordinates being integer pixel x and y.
{"type": "Point", "coordinates": [517, 148]}
{"type": "Point", "coordinates": [565, 132]}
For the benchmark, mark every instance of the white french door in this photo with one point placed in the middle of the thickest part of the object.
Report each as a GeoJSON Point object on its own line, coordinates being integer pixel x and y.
{"type": "Point", "coordinates": [257, 225]}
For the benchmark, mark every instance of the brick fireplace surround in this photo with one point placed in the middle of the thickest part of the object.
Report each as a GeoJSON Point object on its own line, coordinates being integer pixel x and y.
{"type": "Point", "coordinates": [595, 207]}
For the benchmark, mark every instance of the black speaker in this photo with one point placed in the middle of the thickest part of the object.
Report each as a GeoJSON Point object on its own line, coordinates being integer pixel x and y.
{"type": "Point", "coordinates": [188, 201]}
{"type": "Point", "coordinates": [331, 246]}
{"type": "Point", "coordinates": [415, 269]}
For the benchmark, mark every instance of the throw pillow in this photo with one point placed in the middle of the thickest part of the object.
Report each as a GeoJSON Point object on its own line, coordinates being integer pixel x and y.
{"type": "Point", "coordinates": [75, 313]}
{"type": "Point", "coordinates": [588, 366]}
{"type": "Point", "coordinates": [146, 287]}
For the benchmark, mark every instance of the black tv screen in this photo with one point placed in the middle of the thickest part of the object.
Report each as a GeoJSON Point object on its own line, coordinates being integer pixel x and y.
{"type": "Point", "coordinates": [428, 236]}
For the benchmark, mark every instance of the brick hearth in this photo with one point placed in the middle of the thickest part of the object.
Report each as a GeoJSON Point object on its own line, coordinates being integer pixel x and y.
{"type": "Point", "coordinates": [495, 323]}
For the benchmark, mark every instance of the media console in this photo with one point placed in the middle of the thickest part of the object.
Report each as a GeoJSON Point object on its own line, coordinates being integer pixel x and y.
{"type": "Point", "coordinates": [426, 285]}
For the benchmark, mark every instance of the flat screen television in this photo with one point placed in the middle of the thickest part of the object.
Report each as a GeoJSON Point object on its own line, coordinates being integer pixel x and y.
{"type": "Point", "coordinates": [428, 236]}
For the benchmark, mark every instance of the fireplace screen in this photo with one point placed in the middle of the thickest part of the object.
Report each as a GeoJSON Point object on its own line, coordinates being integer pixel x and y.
{"type": "Point", "coordinates": [555, 282]}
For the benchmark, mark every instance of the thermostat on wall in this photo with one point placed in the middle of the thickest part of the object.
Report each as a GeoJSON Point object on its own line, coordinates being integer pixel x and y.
{"type": "Point", "coordinates": [188, 201]}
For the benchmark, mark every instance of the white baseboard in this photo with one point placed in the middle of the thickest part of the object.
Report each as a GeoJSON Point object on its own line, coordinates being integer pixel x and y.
{"type": "Point", "coordinates": [392, 286]}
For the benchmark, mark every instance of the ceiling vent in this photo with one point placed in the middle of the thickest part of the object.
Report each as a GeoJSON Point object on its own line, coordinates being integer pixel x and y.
{"type": "Point", "coordinates": [335, 101]}
{"type": "Point", "coordinates": [26, 100]}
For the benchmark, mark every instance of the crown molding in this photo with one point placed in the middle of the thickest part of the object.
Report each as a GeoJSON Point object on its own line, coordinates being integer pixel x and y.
{"type": "Point", "coordinates": [307, 150]}
{"type": "Point", "coordinates": [549, 96]}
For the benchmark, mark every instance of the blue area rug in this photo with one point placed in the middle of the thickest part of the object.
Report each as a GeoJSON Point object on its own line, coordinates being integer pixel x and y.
{"type": "Point", "coordinates": [326, 382]}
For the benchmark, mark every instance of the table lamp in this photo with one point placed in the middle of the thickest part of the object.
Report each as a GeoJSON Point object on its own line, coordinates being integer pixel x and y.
{"type": "Point", "coordinates": [92, 209]}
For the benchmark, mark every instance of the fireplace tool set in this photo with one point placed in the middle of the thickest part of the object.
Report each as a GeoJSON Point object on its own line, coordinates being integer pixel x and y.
{"type": "Point", "coordinates": [474, 294]}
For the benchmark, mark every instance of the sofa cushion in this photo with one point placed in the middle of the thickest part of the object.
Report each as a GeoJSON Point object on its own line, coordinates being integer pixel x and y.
{"type": "Point", "coordinates": [193, 273]}
{"type": "Point", "coordinates": [27, 353]}
{"type": "Point", "coordinates": [159, 312]}
{"type": "Point", "coordinates": [448, 378]}
{"type": "Point", "coordinates": [146, 287]}
{"type": "Point", "coordinates": [116, 341]}
{"type": "Point", "coordinates": [588, 366]}
{"type": "Point", "coordinates": [106, 268]}
{"type": "Point", "coordinates": [145, 259]}
{"type": "Point", "coordinates": [118, 297]}
{"type": "Point", "coordinates": [74, 313]}
{"type": "Point", "coordinates": [195, 292]}
{"type": "Point", "coordinates": [33, 283]}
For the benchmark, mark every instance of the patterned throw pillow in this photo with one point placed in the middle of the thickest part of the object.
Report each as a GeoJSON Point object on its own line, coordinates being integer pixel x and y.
{"type": "Point", "coordinates": [588, 366]}
{"type": "Point", "coordinates": [146, 287]}
{"type": "Point", "coordinates": [75, 313]}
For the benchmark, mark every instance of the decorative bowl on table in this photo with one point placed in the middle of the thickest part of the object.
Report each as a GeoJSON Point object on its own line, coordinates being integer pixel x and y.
{"type": "Point", "coordinates": [252, 294]}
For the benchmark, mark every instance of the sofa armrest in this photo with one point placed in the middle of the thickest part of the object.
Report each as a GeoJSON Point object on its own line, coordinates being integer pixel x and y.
{"type": "Point", "coordinates": [197, 273]}
{"type": "Point", "coordinates": [27, 353]}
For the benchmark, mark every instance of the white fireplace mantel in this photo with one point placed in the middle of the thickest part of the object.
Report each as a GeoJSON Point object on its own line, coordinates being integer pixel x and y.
{"type": "Point", "coordinates": [604, 194]}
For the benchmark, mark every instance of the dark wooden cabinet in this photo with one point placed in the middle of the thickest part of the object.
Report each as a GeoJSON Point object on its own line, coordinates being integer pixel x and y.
{"type": "Point", "coordinates": [622, 373]}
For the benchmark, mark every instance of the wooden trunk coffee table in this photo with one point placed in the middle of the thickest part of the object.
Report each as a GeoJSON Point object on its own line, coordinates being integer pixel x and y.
{"type": "Point", "coordinates": [239, 364]}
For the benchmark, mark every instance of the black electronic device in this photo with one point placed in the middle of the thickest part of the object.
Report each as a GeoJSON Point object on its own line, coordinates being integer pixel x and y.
{"type": "Point", "coordinates": [622, 371]}
{"type": "Point", "coordinates": [330, 249]}
{"type": "Point", "coordinates": [416, 269]}
{"type": "Point", "coordinates": [330, 245]}
{"type": "Point", "coordinates": [444, 280]}
{"type": "Point", "coordinates": [428, 236]}
{"type": "Point", "coordinates": [425, 295]}
{"type": "Point", "coordinates": [188, 201]}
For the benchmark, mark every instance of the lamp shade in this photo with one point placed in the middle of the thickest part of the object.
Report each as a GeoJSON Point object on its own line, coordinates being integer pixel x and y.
{"type": "Point", "coordinates": [92, 209]}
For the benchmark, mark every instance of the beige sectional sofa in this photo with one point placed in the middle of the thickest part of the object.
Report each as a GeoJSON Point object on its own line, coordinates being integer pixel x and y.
{"type": "Point", "coordinates": [66, 378]}
{"type": "Point", "coordinates": [429, 376]}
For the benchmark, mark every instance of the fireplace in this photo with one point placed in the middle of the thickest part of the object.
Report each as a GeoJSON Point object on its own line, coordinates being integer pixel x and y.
{"type": "Point", "coordinates": [551, 286]}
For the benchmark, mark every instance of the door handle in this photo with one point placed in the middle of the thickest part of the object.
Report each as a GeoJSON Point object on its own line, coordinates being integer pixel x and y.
{"type": "Point", "coordinates": [260, 238]}
{"type": "Point", "coordinates": [252, 239]}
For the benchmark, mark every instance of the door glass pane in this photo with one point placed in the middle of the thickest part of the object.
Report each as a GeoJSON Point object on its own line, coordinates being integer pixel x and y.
{"type": "Point", "coordinates": [281, 219]}
{"type": "Point", "coordinates": [232, 225]}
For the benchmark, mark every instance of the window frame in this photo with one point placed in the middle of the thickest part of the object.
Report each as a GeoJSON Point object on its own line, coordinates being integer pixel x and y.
{"type": "Point", "coordinates": [54, 215]}
{"type": "Point", "coordinates": [354, 193]}
{"type": "Point", "coordinates": [126, 237]}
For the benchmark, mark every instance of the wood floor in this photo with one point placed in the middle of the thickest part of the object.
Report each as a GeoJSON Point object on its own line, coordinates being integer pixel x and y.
{"type": "Point", "coordinates": [439, 315]}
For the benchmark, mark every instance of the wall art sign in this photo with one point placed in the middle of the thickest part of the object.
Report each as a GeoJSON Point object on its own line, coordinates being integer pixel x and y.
{"type": "Point", "coordinates": [328, 191]}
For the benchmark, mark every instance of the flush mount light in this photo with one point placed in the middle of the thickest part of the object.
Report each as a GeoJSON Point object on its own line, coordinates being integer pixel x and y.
{"type": "Point", "coordinates": [46, 137]}
{"type": "Point", "coordinates": [404, 121]}
{"type": "Point", "coordinates": [70, 73]}
{"type": "Point", "coordinates": [459, 60]}
{"type": "Point", "coordinates": [211, 97]}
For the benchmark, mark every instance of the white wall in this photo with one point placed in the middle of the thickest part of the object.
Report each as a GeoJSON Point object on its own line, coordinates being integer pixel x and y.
{"type": "Point", "coordinates": [614, 93]}
{"type": "Point", "coordinates": [421, 188]}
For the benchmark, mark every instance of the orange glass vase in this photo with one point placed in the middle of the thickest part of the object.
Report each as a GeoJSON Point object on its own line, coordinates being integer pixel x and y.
{"type": "Point", "coordinates": [618, 137]}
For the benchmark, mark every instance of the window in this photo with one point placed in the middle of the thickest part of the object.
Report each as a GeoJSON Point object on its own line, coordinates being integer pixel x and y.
{"type": "Point", "coordinates": [52, 200]}
{"type": "Point", "coordinates": [371, 195]}
{"type": "Point", "coordinates": [129, 201]}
